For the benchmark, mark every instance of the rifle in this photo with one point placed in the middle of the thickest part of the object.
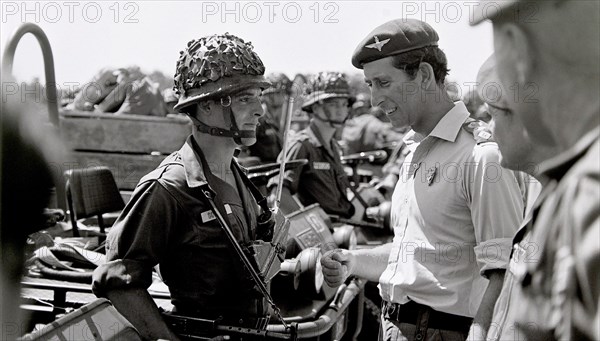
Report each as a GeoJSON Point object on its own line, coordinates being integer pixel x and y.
{"type": "Point", "coordinates": [204, 329]}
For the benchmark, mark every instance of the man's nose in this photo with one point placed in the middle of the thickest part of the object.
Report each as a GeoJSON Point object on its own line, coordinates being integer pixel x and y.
{"type": "Point", "coordinates": [258, 110]}
{"type": "Point", "coordinates": [376, 97]}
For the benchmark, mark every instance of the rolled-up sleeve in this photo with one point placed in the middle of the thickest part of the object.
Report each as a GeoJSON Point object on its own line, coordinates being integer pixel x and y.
{"type": "Point", "coordinates": [496, 208]}
{"type": "Point", "coordinates": [138, 240]}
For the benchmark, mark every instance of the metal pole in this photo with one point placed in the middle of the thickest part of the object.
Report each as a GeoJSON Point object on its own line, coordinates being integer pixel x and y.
{"type": "Point", "coordinates": [9, 55]}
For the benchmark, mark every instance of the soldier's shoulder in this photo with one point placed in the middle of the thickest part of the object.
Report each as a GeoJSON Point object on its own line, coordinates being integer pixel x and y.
{"type": "Point", "coordinates": [300, 137]}
{"type": "Point", "coordinates": [170, 170]}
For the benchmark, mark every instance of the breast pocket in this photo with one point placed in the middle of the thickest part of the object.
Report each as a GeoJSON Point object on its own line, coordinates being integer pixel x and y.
{"type": "Point", "coordinates": [209, 232]}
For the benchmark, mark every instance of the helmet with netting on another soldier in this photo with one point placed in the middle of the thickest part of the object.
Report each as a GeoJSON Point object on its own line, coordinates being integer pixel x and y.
{"type": "Point", "coordinates": [275, 97]}
{"type": "Point", "coordinates": [324, 90]}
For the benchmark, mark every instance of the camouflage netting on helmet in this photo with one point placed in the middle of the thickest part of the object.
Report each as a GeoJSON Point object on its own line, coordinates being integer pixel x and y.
{"type": "Point", "coordinates": [325, 85]}
{"type": "Point", "coordinates": [212, 58]}
{"type": "Point", "coordinates": [280, 83]}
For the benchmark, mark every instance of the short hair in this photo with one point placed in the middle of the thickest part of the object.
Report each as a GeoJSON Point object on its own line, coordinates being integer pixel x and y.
{"type": "Point", "coordinates": [431, 55]}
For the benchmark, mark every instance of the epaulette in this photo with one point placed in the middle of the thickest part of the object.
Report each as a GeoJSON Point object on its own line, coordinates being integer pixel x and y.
{"type": "Point", "coordinates": [160, 170]}
{"type": "Point", "coordinates": [294, 137]}
{"type": "Point", "coordinates": [479, 130]}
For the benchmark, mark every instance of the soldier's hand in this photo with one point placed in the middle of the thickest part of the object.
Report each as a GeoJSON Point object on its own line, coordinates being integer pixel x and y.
{"type": "Point", "coordinates": [337, 265]}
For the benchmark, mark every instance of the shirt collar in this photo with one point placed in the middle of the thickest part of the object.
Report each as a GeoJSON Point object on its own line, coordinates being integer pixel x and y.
{"type": "Point", "coordinates": [446, 129]}
{"type": "Point", "coordinates": [449, 126]}
{"type": "Point", "coordinates": [194, 174]}
{"type": "Point", "coordinates": [313, 137]}
{"type": "Point", "coordinates": [558, 166]}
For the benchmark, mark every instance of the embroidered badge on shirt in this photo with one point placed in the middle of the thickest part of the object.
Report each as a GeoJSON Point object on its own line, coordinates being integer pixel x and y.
{"type": "Point", "coordinates": [209, 215]}
{"type": "Point", "coordinates": [377, 44]}
{"type": "Point", "coordinates": [431, 175]}
{"type": "Point", "coordinates": [321, 165]}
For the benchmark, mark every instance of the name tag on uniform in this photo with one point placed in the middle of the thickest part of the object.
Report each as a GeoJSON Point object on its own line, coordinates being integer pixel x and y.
{"type": "Point", "coordinates": [321, 165]}
{"type": "Point", "coordinates": [484, 135]}
{"type": "Point", "coordinates": [209, 215]}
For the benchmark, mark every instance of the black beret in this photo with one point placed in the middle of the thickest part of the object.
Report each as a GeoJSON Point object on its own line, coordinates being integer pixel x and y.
{"type": "Point", "coordinates": [392, 38]}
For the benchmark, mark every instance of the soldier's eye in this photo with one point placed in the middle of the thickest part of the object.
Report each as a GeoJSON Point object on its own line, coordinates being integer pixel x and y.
{"type": "Point", "coordinates": [384, 83]}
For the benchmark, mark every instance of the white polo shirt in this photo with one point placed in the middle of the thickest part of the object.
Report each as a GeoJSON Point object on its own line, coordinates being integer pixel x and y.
{"type": "Point", "coordinates": [455, 211]}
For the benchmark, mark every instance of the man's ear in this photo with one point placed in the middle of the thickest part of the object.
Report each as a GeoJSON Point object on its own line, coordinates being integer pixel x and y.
{"type": "Point", "coordinates": [427, 75]}
{"type": "Point", "coordinates": [203, 109]}
{"type": "Point", "coordinates": [512, 43]}
{"type": "Point", "coordinates": [315, 107]}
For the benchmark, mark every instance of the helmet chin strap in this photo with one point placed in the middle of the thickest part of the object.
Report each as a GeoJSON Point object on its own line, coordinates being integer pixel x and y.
{"type": "Point", "coordinates": [233, 132]}
{"type": "Point", "coordinates": [330, 121]}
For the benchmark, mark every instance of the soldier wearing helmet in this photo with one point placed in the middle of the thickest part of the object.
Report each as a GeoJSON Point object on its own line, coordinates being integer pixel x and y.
{"type": "Point", "coordinates": [268, 133]}
{"type": "Point", "coordinates": [322, 180]}
{"type": "Point", "coordinates": [168, 222]}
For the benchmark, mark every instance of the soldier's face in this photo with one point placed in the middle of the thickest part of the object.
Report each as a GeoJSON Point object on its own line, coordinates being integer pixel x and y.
{"type": "Point", "coordinates": [274, 99]}
{"type": "Point", "coordinates": [247, 109]}
{"type": "Point", "coordinates": [336, 109]}
{"type": "Point", "coordinates": [393, 91]}
{"type": "Point", "coordinates": [517, 72]}
{"type": "Point", "coordinates": [510, 134]}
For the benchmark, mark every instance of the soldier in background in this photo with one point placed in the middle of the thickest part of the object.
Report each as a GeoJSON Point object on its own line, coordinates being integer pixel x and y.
{"type": "Point", "coordinates": [548, 57]}
{"type": "Point", "coordinates": [323, 179]}
{"type": "Point", "coordinates": [269, 133]}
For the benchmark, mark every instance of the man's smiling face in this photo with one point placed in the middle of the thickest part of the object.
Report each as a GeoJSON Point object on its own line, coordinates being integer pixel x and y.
{"type": "Point", "coordinates": [394, 91]}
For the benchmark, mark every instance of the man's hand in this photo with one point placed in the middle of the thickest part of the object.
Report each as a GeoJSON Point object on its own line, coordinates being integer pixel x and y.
{"type": "Point", "coordinates": [337, 265]}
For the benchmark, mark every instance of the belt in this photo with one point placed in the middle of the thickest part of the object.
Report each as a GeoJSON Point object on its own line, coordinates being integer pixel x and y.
{"type": "Point", "coordinates": [413, 312]}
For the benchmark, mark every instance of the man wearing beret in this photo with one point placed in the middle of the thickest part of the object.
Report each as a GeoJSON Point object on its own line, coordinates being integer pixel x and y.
{"type": "Point", "coordinates": [548, 57]}
{"type": "Point", "coordinates": [454, 209]}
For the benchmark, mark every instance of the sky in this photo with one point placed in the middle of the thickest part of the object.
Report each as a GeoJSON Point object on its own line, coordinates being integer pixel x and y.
{"type": "Point", "coordinates": [289, 36]}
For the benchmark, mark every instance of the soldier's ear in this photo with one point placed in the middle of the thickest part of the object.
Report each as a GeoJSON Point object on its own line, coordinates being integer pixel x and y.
{"type": "Point", "coordinates": [203, 109]}
{"type": "Point", "coordinates": [514, 49]}
{"type": "Point", "coordinates": [315, 107]}
{"type": "Point", "coordinates": [427, 75]}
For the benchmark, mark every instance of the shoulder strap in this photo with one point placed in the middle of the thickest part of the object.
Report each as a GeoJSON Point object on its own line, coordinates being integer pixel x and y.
{"type": "Point", "coordinates": [261, 200]}
{"type": "Point", "coordinates": [249, 264]}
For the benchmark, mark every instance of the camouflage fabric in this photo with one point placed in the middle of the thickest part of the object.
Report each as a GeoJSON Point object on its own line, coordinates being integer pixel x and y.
{"type": "Point", "coordinates": [216, 66]}
{"type": "Point", "coordinates": [280, 83]}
